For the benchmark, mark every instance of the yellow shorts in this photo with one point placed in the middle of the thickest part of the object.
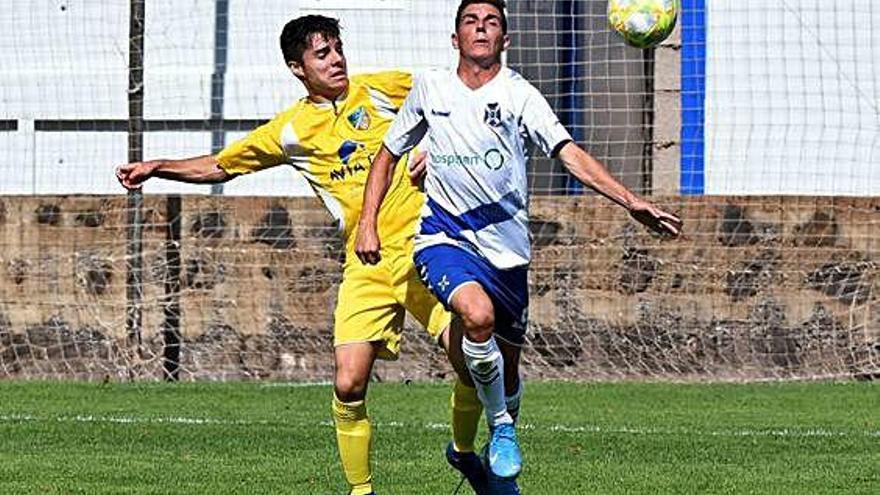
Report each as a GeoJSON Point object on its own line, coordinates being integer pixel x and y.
{"type": "Point", "coordinates": [373, 301]}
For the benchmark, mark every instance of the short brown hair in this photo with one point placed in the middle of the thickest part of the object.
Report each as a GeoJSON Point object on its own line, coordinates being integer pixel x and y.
{"type": "Point", "coordinates": [297, 34]}
{"type": "Point", "coordinates": [498, 4]}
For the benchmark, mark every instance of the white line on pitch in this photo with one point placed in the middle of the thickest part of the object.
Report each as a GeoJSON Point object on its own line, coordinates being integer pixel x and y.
{"type": "Point", "coordinates": [295, 384]}
{"type": "Point", "coordinates": [589, 429]}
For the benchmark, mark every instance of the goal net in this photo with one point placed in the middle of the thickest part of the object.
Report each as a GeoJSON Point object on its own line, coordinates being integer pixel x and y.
{"type": "Point", "coordinates": [758, 127]}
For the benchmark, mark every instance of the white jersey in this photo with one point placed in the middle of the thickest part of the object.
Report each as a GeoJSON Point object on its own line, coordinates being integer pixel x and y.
{"type": "Point", "coordinates": [477, 187]}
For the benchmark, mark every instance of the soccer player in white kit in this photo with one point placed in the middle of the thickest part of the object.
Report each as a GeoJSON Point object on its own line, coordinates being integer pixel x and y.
{"type": "Point", "coordinates": [473, 249]}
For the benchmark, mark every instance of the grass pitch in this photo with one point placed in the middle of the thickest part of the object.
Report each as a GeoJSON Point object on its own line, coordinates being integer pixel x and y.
{"type": "Point", "coordinates": [629, 438]}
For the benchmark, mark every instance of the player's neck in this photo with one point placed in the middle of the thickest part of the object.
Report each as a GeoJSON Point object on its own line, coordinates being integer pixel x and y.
{"type": "Point", "coordinates": [475, 75]}
{"type": "Point", "coordinates": [327, 99]}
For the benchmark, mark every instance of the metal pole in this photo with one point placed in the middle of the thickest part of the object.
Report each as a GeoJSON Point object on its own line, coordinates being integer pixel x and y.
{"type": "Point", "coordinates": [134, 251]}
{"type": "Point", "coordinates": [171, 327]}
{"type": "Point", "coordinates": [218, 79]}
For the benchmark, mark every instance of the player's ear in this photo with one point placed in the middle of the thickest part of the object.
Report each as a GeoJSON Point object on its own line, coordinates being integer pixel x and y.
{"type": "Point", "coordinates": [506, 44]}
{"type": "Point", "coordinates": [297, 69]}
{"type": "Point", "coordinates": [455, 41]}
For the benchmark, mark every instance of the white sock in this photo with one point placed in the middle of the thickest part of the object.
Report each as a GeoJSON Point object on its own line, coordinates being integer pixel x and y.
{"type": "Point", "coordinates": [512, 401]}
{"type": "Point", "coordinates": [486, 366]}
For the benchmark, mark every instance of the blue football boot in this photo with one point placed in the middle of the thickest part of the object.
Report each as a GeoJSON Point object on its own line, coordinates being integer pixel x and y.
{"type": "Point", "coordinates": [471, 467]}
{"type": "Point", "coordinates": [505, 458]}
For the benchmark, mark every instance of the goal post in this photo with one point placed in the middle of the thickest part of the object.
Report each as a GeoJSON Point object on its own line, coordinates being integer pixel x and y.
{"type": "Point", "coordinates": [759, 128]}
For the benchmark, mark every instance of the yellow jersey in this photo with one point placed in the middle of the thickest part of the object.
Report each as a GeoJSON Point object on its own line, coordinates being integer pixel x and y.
{"type": "Point", "coordinates": [333, 145]}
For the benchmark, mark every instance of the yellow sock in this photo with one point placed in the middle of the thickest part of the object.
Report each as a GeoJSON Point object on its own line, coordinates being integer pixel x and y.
{"type": "Point", "coordinates": [466, 413]}
{"type": "Point", "coordinates": [353, 439]}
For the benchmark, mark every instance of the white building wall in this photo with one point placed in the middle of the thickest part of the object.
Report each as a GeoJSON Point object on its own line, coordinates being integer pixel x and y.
{"type": "Point", "coordinates": [69, 60]}
{"type": "Point", "coordinates": [792, 97]}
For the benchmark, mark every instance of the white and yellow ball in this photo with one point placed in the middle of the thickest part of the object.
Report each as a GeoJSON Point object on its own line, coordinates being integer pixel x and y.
{"type": "Point", "coordinates": [643, 23]}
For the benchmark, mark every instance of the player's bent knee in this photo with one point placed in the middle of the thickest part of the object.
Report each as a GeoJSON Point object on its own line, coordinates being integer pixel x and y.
{"type": "Point", "coordinates": [479, 326]}
{"type": "Point", "coordinates": [479, 320]}
{"type": "Point", "coordinates": [351, 395]}
{"type": "Point", "coordinates": [350, 389]}
{"type": "Point", "coordinates": [476, 311]}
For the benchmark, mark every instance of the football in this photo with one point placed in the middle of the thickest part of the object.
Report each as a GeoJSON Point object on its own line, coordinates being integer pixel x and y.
{"type": "Point", "coordinates": [643, 23]}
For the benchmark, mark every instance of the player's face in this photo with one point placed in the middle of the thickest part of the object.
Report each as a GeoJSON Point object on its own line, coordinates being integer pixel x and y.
{"type": "Point", "coordinates": [480, 35]}
{"type": "Point", "coordinates": [324, 70]}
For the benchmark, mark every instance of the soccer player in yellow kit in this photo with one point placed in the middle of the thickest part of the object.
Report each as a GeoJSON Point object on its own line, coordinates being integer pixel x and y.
{"type": "Point", "coordinates": [330, 137]}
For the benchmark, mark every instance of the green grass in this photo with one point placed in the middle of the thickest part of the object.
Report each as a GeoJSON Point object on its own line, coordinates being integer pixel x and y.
{"type": "Point", "coordinates": [70, 438]}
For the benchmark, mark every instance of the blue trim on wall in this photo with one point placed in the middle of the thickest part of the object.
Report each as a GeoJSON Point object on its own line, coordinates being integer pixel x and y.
{"type": "Point", "coordinates": [571, 115]}
{"type": "Point", "coordinates": [693, 96]}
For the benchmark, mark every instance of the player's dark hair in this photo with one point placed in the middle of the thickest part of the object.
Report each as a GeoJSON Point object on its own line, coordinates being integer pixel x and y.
{"type": "Point", "coordinates": [297, 34]}
{"type": "Point", "coordinates": [498, 4]}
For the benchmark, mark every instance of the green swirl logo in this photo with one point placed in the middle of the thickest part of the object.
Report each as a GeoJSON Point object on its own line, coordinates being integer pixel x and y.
{"type": "Point", "coordinates": [492, 159]}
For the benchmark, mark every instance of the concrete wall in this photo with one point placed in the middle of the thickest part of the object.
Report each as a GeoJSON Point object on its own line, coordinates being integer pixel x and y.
{"type": "Point", "coordinates": [666, 144]}
{"type": "Point", "coordinates": [757, 288]}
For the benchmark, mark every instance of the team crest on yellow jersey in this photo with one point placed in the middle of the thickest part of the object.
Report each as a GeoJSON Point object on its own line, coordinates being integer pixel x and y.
{"type": "Point", "coordinates": [359, 119]}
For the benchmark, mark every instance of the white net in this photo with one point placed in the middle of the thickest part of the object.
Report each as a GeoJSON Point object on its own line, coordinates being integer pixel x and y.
{"type": "Point", "coordinates": [792, 105]}
{"type": "Point", "coordinates": [602, 90]}
{"type": "Point", "coordinates": [736, 103]}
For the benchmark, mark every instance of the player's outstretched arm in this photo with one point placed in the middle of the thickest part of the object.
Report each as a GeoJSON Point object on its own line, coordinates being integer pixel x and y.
{"type": "Point", "coordinates": [197, 170]}
{"type": "Point", "coordinates": [381, 172]}
{"type": "Point", "coordinates": [593, 174]}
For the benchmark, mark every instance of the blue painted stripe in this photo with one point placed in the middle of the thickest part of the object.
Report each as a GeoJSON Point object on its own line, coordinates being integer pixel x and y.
{"type": "Point", "coordinates": [474, 220]}
{"type": "Point", "coordinates": [572, 114]}
{"type": "Point", "coordinates": [693, 96]}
